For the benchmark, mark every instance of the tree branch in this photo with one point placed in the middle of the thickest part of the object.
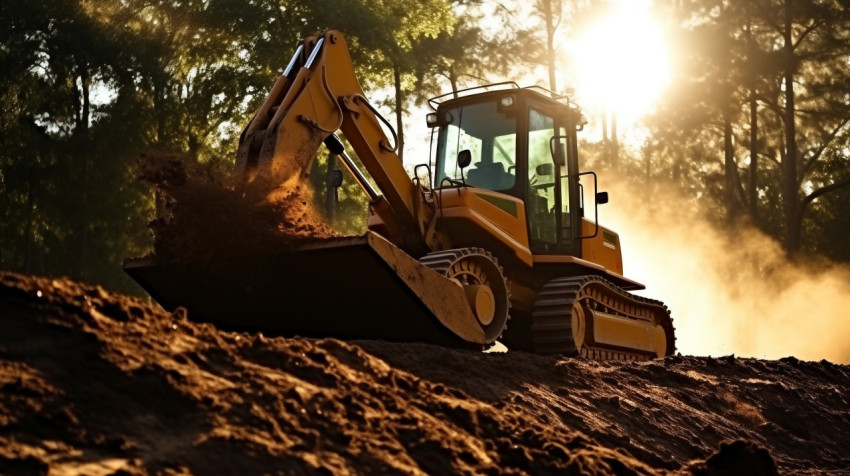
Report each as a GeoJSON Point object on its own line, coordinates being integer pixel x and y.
{"type": "Point", "coordinates": [808, 199]}
{"type": "Point", "coordinates": [771, 106]}
{"type": "Point", "coordinates": [742, 194]}
{"type": "Point", "coordinates": [814, 26]}
{"type": "Point", "coordinates": [827, 140]}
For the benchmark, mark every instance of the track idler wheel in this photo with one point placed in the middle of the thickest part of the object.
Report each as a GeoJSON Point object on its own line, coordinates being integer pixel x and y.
{"type": "Point", "coordinates": [484, 283]}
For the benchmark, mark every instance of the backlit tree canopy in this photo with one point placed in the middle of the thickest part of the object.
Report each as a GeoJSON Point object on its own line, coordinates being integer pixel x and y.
{"type": "Point", "coordinates": [753, 126]}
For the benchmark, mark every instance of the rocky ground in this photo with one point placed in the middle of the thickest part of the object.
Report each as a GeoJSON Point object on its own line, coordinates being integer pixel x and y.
{"type": "Point", "coordinates": [97, 383]}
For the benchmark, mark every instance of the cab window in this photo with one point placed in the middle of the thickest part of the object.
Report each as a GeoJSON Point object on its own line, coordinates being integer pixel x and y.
{"type": "Point", "coordinates": [544, 211]}
{"type": "Point", "coordinates": [490, 137]}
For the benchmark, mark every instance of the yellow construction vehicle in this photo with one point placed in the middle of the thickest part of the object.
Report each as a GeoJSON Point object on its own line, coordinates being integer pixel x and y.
{"type": "Point", "coordinates": [495, 246]}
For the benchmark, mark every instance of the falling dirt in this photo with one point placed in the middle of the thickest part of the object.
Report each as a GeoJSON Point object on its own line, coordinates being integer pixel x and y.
{"type": "Point", "coordinates": [216, 225]}
{"type": "Point", "coordinates": [97, 383]}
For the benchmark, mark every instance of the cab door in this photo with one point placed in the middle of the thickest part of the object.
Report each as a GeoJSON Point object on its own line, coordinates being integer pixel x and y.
{"type": "Point", "coordinates": [551, 191]}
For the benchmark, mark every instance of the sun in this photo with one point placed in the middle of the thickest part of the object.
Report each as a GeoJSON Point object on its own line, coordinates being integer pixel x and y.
{"type": "Point", "coordinates": [621, 61]}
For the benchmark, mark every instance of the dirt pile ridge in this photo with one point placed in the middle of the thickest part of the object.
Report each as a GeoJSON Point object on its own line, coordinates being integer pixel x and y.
{"type": "Point", "coordinates": [97, 383]}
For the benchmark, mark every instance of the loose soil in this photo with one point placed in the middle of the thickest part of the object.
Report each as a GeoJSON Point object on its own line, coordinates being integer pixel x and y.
{"type": "Point", "coordinates": [93, 382]}
{"type": "Point", "coordinates": [216, 225]}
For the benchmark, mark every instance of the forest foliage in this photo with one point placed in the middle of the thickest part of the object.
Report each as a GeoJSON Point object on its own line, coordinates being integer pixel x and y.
{"type": "Point", "coordinates": [754, 128]}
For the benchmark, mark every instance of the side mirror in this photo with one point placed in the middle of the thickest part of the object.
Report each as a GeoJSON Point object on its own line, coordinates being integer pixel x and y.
{"type": "Point", "coordinates": [558, 146]}
{"type": "Point", "coordinates": [464, 158]}
{"type": "Point", "coordinates": [602, 198]}
{"type": "Point", "coordinates": [545, 170]}
{"type": "Point", "coordinates": [432, 119]}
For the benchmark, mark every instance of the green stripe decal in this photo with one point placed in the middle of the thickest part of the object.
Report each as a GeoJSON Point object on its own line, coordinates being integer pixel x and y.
{"type": "Point", "coordinates": [508, 206]}
{"type": "Point", "coordinates": [609, 238]}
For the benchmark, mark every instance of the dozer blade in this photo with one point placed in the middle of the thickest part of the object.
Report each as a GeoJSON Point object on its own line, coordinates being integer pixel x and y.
{"type": "Point", "coordinates": [353, 287]}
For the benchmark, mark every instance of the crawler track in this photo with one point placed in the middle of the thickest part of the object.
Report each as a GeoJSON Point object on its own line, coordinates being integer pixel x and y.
{"type": "Point", "coordinates": [553, 317]}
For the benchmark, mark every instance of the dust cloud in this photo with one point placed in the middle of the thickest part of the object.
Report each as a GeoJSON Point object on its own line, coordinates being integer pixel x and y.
{"type": "Point", "coordinates": [730, 293]}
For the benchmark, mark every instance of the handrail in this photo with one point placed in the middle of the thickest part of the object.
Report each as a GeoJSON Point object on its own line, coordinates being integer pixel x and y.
{"type": "Point", "coordinates": [436, 100]}
{"type": "Point", "coordinates": [564, 99]}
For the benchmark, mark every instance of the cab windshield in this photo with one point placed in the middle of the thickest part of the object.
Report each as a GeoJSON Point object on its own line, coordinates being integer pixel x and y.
{"type": "Point", "coordinates": [489, 136]}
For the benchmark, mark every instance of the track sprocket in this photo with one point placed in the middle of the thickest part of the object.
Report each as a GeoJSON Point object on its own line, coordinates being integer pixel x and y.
{"type": "Point", "coordinates": [479, 273]}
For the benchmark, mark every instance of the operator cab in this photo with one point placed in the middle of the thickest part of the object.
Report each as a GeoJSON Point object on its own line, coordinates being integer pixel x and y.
{"type": "Point", "coordinates": [519, 142]}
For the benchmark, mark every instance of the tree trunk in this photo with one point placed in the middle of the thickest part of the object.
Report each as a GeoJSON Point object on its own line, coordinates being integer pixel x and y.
{"type": "Point", "coordinates": [752, 196]}
{"type": "Point", "coordinates": [28, 227]}
{"type": "Point", "coordinates": [754, 156]}
{"type": "Point", "coordinates": [453, 82]}
{"type": "Point", "coordinates": [81, 137]}
{"type": "Point", "coordinates": [677, 168]}
{"type": "Point", "coordinates": [331, 191]}
{"type": "Point", "coordinates": [729, 167]}
{"type": "Point", "coordinates": [790, 189]}
{"type": "Point", "coordinates": [159, 95]}
{"type": "Point", "coordinates": [550, 43]}
{"type": "Point", "coordinates": [604, 126]}
{"type": "Point", "coordinates": [615, 142]}
{"type": "Point", "coordinates": [399, 112]}
{"type": "Point", "coordinates": [194, 144]}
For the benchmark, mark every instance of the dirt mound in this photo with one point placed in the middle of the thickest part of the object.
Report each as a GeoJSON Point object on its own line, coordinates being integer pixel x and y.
{"type": "Point", "coordinates": [96, 383]}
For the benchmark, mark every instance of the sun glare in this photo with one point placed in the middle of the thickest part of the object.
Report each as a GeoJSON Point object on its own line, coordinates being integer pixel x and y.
{"type": "Point", "coordinates": [621, 61]}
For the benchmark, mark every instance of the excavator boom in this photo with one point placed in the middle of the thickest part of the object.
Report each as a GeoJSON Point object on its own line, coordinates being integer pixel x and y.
{"type": "Point", "coordinates": [318, 95]}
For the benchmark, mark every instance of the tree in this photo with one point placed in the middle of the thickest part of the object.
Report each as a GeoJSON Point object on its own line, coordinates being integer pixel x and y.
{"type": "Point", "coordinates": [469, 55]}
{"type": "Point", "coordinates": [91, 86]}
{"type": "Point", "coordinates": [56, 55]}
{"type": "Point", "coordinates": [815, 49]}
{"type": "Point", "coordinates": [772, 83]}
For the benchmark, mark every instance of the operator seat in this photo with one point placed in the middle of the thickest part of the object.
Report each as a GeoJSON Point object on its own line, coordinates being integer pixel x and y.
{"type": "Point", "coordinates": [491, 176]}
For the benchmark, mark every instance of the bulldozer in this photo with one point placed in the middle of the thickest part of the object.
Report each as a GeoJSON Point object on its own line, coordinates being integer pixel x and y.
{"type": "Point", "coordinates": [487, 241]}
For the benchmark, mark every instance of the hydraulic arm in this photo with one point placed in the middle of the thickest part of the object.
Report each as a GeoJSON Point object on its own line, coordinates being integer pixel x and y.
{"type": "Point", "coordinates": [317, 95]}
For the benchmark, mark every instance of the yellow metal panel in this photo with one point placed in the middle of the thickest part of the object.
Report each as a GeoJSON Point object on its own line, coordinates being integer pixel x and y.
{"type": "Point", "coordinates": [603, 249]}
{"type": "Point", "coordinates": [618, 278]}
{"type": "Point", "coordinates": [628, 333]}
{"type": "Point", "coordinates": [503, 211]}
{"type": "Point", "coordinates": [445, 298]}
{"type": "Point", "coordinates": [500, 215]}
